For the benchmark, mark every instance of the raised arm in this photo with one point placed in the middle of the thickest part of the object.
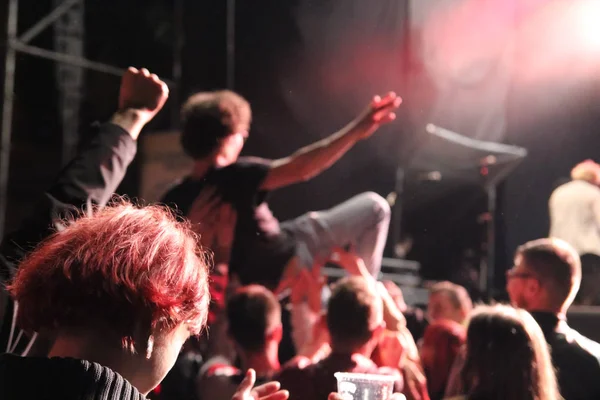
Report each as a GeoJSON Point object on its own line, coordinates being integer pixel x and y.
{"type": "Point", "coordinates": [311, 160]}
{"type": "Point", "coordinates": [91, 178]}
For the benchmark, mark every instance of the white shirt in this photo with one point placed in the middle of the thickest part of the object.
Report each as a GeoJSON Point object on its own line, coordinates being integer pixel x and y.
{"type": "Point", "coordinates": [575, 216]}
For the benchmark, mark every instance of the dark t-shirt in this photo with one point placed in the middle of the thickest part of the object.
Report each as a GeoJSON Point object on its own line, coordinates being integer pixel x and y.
{"type": "Point", "coordinates": [307, 381]}
{"type": "Point", "coordinates": [260, 248]}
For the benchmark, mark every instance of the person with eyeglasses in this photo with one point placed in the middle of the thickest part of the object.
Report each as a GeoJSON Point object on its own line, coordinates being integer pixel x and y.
{"type": "Point", "coordinates": [544, 281]}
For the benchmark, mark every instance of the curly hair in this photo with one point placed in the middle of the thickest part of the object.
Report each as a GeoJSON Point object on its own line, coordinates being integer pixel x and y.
{"type": "Point", "coordinates": [209, 117]}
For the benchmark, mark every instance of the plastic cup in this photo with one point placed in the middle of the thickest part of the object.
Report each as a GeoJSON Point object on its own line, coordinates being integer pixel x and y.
{"type": "Point", "coordinates": [364, 386]}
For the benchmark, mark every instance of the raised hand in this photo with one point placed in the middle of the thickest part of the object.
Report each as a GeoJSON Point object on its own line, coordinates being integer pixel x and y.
{"type": "Point", "coordinates": [350, 261]}
{"type": "Point", "coordinates": [379, 112]}
{"type": "Point", "coordinates": [143, 92]}
{"type": "Point", "coordinates": [268, 391]}
{"type": "Point", "coordinates": [307, 287]}
{"type": "Point", "coordinates": [141, 97]}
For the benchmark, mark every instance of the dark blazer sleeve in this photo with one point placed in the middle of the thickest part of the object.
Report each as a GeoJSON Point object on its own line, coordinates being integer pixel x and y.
{"type": "Point", "coordinates": [88, 181]}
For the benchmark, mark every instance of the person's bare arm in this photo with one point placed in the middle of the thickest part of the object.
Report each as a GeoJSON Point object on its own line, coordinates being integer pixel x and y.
{"type": "Point", "coordinates": [355, 266]}
{"type": "Point", "coordinates": [311, 160]}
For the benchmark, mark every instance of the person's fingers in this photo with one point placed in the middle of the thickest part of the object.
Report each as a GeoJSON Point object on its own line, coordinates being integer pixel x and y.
{"type": "Point", "coordinates": [280, 395]}
{"type": "Point", "coordinates": [335, 396]}
{"type": "Point", "coordinates": [388, 118]}
{"type": "Point", "coordinates": [244, 388]}
{"type": "Point", "coordinates": [145, 72]}
{"type": "Point", "coordinates": [383, 116]}
{"type": "Point", "coordinates": [154, 77]}
{"type": "Point", "coordinates": [132, 70]}
{"type": "Point", "coordinates": [390, 101]}
{"type": "Point", "coordinates": [164, 87]}
{"type": "Point", "coordinates": [266, 389]}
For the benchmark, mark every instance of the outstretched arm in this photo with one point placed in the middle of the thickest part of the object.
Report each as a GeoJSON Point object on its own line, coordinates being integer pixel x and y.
{"type": "Point", "coordinates": [311, 160]}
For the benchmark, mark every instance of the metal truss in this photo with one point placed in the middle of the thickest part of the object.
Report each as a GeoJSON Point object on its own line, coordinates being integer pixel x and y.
{"type": "Point", "coordinates": [71, 61]}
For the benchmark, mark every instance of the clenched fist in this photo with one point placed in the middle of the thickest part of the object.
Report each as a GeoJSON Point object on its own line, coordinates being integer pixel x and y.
{"type": "Point", "coordinates": [141, 97]}
{"type": "Point", "coordinates": [143, 92]}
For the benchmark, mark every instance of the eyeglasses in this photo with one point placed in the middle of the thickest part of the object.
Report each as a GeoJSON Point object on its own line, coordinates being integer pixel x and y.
{"type": "Point", "coordinates": [511, 274]}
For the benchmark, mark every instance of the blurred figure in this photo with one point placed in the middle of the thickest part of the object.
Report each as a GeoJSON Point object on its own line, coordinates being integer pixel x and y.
{"type": "Point", "coordinates": [544, 281]}
{"type": "Point", "coordinates": [225, 190]}
{"type": "Point", "coordinates": [416, 323]}
{"type": "Point", "coordinates": [355, 323]}
{"type": "Point", "coordinates": [254, 327]}
{"type": "Point", "coordinates": [575, 218]}
{"type": "Point", "coordinates": [449, 301]}
{"type": "Point", "coordinates": [441, 345]}
{"type": "Point", "coordinates": [507, 357]}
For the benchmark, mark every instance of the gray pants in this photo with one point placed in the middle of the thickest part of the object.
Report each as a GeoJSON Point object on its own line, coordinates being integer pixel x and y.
{"type": "Point", "coordinates": [362, 222]}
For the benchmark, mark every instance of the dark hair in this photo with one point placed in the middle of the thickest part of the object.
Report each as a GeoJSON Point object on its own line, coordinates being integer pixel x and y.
{"type": "Point", "coordinates": [556, 266]}
{"type": "Point", "coordinates": [353, 311]}
{"type": "Point", "coordinates": [252, 313]}
{"type": "Point", "coordinates": [125, 269]}
{"type": "Point", "coordinates": [458, 295]}
{"type": "Point", "coordinates": [208, 117]}
{"type": "Point", "coordinates": [507, 357]}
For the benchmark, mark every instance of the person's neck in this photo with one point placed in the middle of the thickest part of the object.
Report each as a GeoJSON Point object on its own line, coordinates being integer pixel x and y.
{"type": "Point", "coordinates": [95, 348]}
{"type": "Point", "coordinates": [365, 350]}
{"type": "Point", "coordinates": [201, 168]}
{"type": "Point", "coordinates": [265, 363]}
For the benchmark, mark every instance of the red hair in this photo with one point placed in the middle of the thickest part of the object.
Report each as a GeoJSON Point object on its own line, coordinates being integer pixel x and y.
{"type": "Point", "coordinates": [446, 339]}
{"type": "Point", "coordinates": [131, 270]}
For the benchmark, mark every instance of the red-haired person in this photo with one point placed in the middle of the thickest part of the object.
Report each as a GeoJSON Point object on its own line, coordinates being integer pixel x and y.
{"type": "Point", "coordinates": [442, 343]}
{"type": "Point", "coordinates": [120, 291]}
{"type": "Point", "coordinates": [88, 181]}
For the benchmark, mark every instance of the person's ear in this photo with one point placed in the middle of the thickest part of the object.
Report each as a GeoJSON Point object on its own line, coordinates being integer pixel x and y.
{"type": "Point", "coordinates": [276, 334]}
{"type": "Point", "coordinates": [533, 287]}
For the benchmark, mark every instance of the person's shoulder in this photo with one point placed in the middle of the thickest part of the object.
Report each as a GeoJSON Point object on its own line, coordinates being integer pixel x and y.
{"type": "Point", "coordinates": [295, 366]}
{"type": "Point", "coordinates": [587, 344]}
{"type": "Point", "coordinates": [363, 363]}
{"type": "Point", "coordinates": [218, 381]}
{"type": "Point", "coordinates": [295, 370]}
{"type": "Point", "coordinates": [577, 345]}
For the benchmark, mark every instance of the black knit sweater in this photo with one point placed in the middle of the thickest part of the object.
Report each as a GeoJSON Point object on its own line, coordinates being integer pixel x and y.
{"type": "Point", "coordinates": [37, 378]}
